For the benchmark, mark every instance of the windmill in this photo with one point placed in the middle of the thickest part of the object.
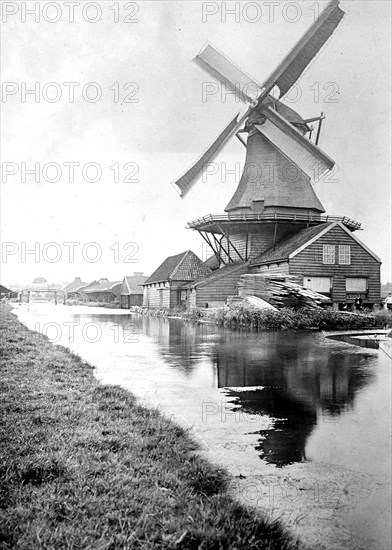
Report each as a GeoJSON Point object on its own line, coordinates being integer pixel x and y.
{"type": "Point", "coordinates": [275, 196]}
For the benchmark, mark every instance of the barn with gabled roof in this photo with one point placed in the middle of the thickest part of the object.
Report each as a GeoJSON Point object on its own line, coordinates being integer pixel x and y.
{"type": "Point", "coordinates": [165, 287]}
{"type": "Point", "coordinates": [328, 259]}
{"type": "Point", "coordinates": [132, 290]}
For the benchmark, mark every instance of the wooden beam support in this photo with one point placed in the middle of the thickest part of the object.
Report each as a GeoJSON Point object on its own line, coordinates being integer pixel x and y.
{"type": "Point", "coordinates": [210, 245]}
{"type": "Point", "coordinates": [221, 247]}
{"type": "Point", "coordinates": [232, 244]}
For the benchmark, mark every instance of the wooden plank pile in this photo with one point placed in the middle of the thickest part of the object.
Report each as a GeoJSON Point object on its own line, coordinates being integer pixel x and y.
{"type": "Point", "coordinates": [289, 294]}
{"type": "Point", "coordinates": [280, 291]}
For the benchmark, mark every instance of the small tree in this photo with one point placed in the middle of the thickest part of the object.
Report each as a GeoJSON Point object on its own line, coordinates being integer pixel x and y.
{"type": "Point", "coordinates": [40, 280]}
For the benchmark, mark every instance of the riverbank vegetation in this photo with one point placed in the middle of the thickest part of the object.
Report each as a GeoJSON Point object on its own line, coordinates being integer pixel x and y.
{"type": "Point", "coordinates": [75, 302]}
{"type": "Point", "coordinates": [83, 465]}
{"type": "Point", "coordinates": [284, 319]}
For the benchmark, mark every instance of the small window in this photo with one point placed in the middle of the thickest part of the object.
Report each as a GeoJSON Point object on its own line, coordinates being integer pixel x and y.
{"type": "Point", "coordinates": [344, 254]}
{"type": "Point", "coordinates": [356, 284]}
{"type": "Point", "coordinates": [328, 254]}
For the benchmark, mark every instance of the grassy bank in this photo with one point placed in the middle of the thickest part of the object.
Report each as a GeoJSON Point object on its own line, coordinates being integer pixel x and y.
{"type": "Point", "coordinates": [283, 319]}
{"type": "Point", "coordinates": [84, 466]}
{"type": "Point", "coordinates": [110, 305]}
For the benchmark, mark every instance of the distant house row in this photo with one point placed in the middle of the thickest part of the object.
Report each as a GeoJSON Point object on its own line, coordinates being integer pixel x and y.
{"type": "Point", "coordinates": [126, 293]}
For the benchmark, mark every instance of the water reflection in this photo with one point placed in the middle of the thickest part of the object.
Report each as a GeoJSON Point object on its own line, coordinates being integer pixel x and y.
{"type": "Point", "coordinates": [299, 380]}
{"type": "Point", "coordinates": [303, 381]}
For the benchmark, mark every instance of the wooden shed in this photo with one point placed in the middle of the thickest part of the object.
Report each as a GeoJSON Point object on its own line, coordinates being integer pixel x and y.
{"type": "Point", "coordinates": [132, 290]}
{"type": "Point", "coordinates": [214, 289]}
{"type": "Point", "coordinates": [328, 259]}
{"type": "Point", "coordinates": [165, 288]}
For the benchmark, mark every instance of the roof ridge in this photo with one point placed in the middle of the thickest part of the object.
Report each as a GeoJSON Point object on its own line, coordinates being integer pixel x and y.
{"type": "Point", "coordinates": [185, 254]}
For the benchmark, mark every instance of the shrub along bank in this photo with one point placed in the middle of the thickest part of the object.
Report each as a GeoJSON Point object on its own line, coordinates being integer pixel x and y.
{"type": "Point", "coordinates": [283, 319]}
{"type": "Point", "coordinates": [83, 465]}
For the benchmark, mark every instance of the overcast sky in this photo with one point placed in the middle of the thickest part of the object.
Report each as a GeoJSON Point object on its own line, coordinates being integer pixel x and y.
{"type": "Point", "coordinates": [157, 136]}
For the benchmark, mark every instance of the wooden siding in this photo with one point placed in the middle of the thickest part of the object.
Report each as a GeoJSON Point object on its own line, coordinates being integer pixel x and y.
{"type": "Point", "coordinates": [309, 262]}
{"type": "Point", "coordinates": [282, 268]}
{"type": "Point", "coordinates": [157, 296]}
{"type": "Point", "coordinates": [128, 300]}
{"type": "Point", "coordinates": [215, 293]}
{"type": "Point", "coordinates": [162, 295]}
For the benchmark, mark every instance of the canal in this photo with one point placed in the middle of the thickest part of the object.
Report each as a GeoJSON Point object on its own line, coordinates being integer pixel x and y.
{"type": "Point", "coordinates": [302, 422]}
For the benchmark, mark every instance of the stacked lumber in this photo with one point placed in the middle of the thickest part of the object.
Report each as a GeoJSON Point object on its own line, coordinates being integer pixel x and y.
{"type": "Point", "coordinates": [289, 294]}
{"type": "Point", "coordinates": [280, 290]}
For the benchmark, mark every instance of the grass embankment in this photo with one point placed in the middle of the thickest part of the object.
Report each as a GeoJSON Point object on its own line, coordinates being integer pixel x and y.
{"type": "Point", "coordinates": [84, 466]}
{"type": "Point", "coordinates": [283, 319]}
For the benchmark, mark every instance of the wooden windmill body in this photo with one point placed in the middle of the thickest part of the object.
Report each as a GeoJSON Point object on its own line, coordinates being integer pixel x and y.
{"type": "Point", "coordinates": [275, 196]}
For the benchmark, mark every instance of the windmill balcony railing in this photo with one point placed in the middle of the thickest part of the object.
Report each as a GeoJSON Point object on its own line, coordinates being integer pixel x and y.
{"type": "Point", "coordinates": [271, 216]}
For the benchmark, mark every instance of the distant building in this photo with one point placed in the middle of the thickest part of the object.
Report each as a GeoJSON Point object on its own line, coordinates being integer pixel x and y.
{"type": "Point", "coordinates": [103, 291]}
{"type": "Point", "coordinates": [168, 286]}
{"type": "Point", "coordinates": [74, 290]}
{"type": "Point", "coordinates": [7, 293]}
{"type": "Point", "coordinates": [132, 290]}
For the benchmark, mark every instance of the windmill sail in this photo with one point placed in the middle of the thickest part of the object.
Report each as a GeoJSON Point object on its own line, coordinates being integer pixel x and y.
{"type": "Point", "coordinates": [228, 74]}
{"type": "Point", "coordinates": [283, 135]}
{"type": "Point", "coordinates": [294, 64]}
{"type": "Point", "coordinates": [187, 180]}
{"type": "Point", "coordinates": [305, 154]}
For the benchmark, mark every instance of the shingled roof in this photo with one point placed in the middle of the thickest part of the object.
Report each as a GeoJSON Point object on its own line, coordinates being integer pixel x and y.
{"type": "Point", "coordinates": [133, 284]}
{"type": "Point", "coordinates": [76, 285]}
{"type": "Point", "coordinates": [290, 244]}
{"type": "Point", "coordinates": [181, 267]}
{"type": "Point", "coordinates": [103, 285]}
{"type": "Point", "coordinates": [219, 273]}
{"type": "Point", "coordinates": [286, 187]}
